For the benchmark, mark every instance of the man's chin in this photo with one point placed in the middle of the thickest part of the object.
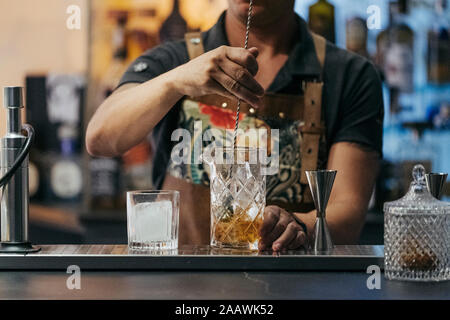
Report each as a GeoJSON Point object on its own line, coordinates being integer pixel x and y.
{"type": "Point", "coordinates": [263, 13]}
{"type": "Point", "coordinates": [243, 9]}
{"type": "Point", "coordinates": [257, 11]}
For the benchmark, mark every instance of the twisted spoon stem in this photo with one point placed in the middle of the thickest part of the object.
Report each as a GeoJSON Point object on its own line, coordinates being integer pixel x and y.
{"type": "Point", "coordinates": [247, 32]}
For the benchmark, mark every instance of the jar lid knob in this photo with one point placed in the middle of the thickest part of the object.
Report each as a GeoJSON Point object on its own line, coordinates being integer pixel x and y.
{"type": "Point", "coordinates": [418, 174]}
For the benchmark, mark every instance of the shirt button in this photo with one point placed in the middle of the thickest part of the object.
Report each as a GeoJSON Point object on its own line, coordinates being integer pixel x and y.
{"type": "Point", "coordinates": [140, 66]}
{"type": "Point", "coordinates": [224, 105]}
{"type": "Point", "coordinates": [252, 110]}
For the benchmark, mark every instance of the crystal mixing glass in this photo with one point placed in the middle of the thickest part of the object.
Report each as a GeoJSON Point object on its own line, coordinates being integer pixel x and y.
{"type": "Point", "coordinates": [238, 196]}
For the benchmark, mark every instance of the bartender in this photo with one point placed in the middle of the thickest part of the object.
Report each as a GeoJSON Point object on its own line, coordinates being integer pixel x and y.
{"type": "Point", "coordinates": [325, 101]}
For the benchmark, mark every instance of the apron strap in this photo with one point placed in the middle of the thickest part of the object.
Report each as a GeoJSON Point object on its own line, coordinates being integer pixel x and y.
{"type": "Point", "coordinates": [320, 44]}
{"type": "Point", "coordinates": [194, 44]}
{"type": "Point", "coordinates": [313, 126]}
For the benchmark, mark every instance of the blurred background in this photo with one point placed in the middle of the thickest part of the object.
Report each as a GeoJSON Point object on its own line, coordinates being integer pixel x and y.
{"type": "Point", "coordinates": [70, 54]}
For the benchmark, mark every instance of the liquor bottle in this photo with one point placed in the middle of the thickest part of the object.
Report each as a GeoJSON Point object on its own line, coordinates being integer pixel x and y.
{"type": "Point", "coordinates": [105, 184]}
{"type": "Point", "coordinates": [66, 175]}
{"type": "Point", "coordinates": [356, 36]}
{"type": "Point", "coordinates": [382, 43]}
{"type": "Point", "coordinates": [439, 46]}
{"type": "Point", "coordinates": [137, 167]}
{"type": "Point", "coordinates": [321, 19]}
{"type": "Point", "coordinates": [143, 30]}
{"type": "Point", "coordinates": [174, 27]}
{"type": "Point", "coordinates": [105, 173]}
{"type": "Point", "coordinates": [118, 64]}
{"type": "Point", "coordinates": [209, 10]}
{"type": "Point", "coordinates": [399, 55]}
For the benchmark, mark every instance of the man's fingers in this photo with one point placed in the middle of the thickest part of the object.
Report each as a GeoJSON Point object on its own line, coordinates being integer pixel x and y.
{"type": "Point", "coordinates": [242, 76]}
{"type": "Point", "coordinates": [276, 232]}
{"type": "Point", "coordinates": [271, 217]}
{"type": "Point", "coordinates": [270, 220]}
{"type": "Point", "coordinates": [289, 234]}
{"type": "Point", "coordinates": [244, 58]}
{"type": "Point", "coordinates": [220, 90]}
{"type": "Point", "coordinates": [237, 89]}
{"type": "Point", "coordinates": [278, 229]}
{"type": "Point", "coordinates": [299, 241]}
{"type": "Point", "coordinates": [254, 51]}
{"type": "Point", "coordinates": [262, 246]}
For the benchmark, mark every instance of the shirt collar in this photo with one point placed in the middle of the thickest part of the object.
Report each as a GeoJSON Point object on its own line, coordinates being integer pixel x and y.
{"type": "Point", "coordinates": [303, 59]}
{"type": "Point", "coordinates": [216, 36]}
{"type": "Point", "coordinates": [301, 62]}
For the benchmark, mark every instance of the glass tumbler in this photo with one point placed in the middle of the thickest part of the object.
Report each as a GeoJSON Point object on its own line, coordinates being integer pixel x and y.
{"type": "Point", "coordinates": [152, 219]}
{"type": "Point", "coordinates": [238, 197]}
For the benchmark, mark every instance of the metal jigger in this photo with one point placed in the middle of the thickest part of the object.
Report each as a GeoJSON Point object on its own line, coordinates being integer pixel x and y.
{"type": "Point", "coordinates": [321, 183]}
{"type": "Point", "coordinates": [435, 183]}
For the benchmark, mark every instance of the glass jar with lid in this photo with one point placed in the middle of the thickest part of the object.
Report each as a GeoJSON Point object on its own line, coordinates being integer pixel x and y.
{"type": "Point", "coordinates": [417, 234]}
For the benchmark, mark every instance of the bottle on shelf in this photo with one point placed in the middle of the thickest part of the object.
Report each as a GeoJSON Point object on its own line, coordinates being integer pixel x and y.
{"type": "Point", "coordinates": [105, 184]}
{"type": "Point", "coordinates": [142, 29]}
{"type": "Point", "coordinates": [321, 19]}
{"type": "Point", "coordinates": [118, 64]}
{"type": "Point", "coordinates": [174, 27]}
{"type": "Point", "coordinates": [203, 14]}
{"type": "Point", "coordinates": [438, 63]}
{"type": "Point", "coordinates": [398, 61]}
{"type": "Point", "coordinates": [356, 36]}
{"type": "Point", "coordinates": [382, 43]}
{"type": "Point", "coordinates": [137, 167]}
{"type": "Point", "coordinates": [66, 175]}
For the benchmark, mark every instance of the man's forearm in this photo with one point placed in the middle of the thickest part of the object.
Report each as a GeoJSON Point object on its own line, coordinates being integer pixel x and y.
{"type": "Point", "coordinates": [129, 114]}
{"type": "Point", "coordinates": [344, 221]}
{"type": "Point", "coordinates": [125, 118]}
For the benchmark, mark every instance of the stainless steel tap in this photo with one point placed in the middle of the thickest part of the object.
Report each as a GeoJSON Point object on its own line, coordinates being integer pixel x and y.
{"type": "Point", "coordinates": [14, 195]}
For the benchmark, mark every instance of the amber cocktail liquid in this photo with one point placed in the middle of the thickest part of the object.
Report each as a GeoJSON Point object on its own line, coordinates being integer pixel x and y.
{"type": "Point", "coordinates": [238, 191]}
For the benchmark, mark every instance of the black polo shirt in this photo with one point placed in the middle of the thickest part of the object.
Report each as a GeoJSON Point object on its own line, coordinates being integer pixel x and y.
{"type": "Point", "coordinates": [352, 95]}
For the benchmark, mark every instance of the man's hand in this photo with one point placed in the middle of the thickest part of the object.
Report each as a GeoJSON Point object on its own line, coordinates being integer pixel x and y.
{"type": "Point", "coordinates": [280, 231]}
{"type": "Point", "coordinates": [227, 71]}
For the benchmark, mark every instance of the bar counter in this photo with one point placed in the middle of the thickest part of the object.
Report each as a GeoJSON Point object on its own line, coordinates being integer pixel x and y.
{"type": "Point", "coordinates": [198, 273]}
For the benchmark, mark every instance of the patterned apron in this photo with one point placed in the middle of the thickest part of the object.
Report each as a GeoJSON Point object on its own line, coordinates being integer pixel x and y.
{"type": "Point", "coordinates": [302, 146]}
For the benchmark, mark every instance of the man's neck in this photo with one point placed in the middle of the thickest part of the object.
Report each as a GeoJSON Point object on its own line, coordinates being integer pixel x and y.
{"type": "Point", "coordinates": [272, 38]}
